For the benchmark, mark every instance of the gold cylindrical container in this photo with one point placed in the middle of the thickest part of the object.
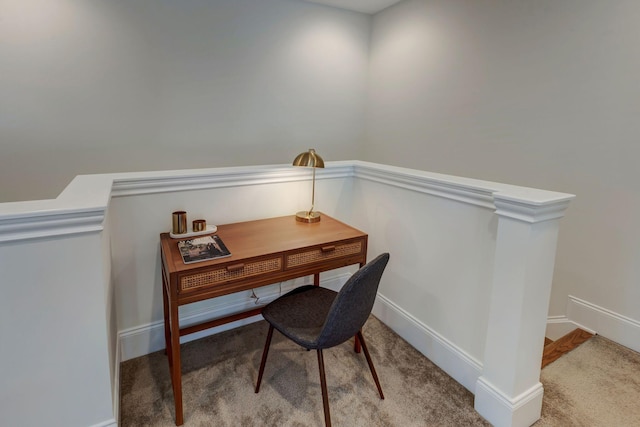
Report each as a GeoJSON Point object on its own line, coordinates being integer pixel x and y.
{"type": "Point", "coordinates": [199, 225]}
{"type": "Point", "coordinates": [179, 222]}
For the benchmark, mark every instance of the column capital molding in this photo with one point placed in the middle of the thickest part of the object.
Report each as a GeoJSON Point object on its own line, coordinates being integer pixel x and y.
{"type": "Point", "coordinates": [531, 211]}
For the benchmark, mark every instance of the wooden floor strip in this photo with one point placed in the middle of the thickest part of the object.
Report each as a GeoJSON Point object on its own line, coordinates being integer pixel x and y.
{"type": "Point", "coordinates": [564, 345]}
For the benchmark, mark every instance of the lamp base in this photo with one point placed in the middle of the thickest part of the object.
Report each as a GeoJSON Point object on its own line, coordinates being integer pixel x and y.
{"type": "Point", "coordinates": [306, 216]}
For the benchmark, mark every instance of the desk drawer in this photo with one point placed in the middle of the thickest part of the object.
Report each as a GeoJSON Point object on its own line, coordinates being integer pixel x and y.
{"type": "Point", "coordinates": [229, 272]}
{"type": "Point", "coordinates": [322, 253]}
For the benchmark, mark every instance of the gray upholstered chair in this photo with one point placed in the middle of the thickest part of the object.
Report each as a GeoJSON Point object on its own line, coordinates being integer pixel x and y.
{"type": "Point", "coordinates": [319, 318]}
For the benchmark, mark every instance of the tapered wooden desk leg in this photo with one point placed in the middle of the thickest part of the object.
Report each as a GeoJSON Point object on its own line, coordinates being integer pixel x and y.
{"type": "Point", "coordinates": [316, 279]}
{"type": "Point", "coordinates": [175, 365]}
{"type": "Point", "coordinates": [263, 362]}
{"type": "Point", "coordinates": [167, 329]}
{"type": "Point", "coordinates": [356, 341]}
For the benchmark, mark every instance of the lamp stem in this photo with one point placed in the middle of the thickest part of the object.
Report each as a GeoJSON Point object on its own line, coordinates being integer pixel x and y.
{"type": "Point", "coordinates": [313, 191]}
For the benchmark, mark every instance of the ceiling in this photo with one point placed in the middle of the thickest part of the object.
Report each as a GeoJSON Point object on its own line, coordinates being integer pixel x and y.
{"type": "Point", "coordinates": [365, 6]}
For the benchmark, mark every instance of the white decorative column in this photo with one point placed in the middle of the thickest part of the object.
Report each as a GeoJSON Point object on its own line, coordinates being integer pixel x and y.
{"type": "Point", "coordinates": [509, 392]}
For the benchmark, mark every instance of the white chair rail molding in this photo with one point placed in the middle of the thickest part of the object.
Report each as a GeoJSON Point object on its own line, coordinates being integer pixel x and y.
{"type": "Point", "coordinates": [468, 283]}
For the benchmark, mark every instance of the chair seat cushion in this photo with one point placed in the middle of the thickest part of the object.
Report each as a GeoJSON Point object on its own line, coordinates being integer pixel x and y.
{"type": "Point", "coordinates": [301, 313]}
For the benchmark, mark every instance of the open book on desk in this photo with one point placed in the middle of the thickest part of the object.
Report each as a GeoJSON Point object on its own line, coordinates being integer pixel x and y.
{"type": "Point", "coordinates": [202, 249]}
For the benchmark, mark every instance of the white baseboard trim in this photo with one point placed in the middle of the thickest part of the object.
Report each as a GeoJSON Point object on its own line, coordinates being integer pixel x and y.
{"type": "Point", "coordinates": [107, 423]}
{"type": "Point", "coordinates": [116, 383]}
{"type": "Point", "coordinates": [145, 339]}
{"type": "Point", "coordinates": [611, 325]}
{"type": "Point", "coordinates": [502, 411]}
{"type": "Point", "coordinates": [559, 326]}
{"type": "Point", "coordinates": [454, 361]}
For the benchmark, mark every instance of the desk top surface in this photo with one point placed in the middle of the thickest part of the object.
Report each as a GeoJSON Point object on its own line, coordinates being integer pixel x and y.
{"type": "Point", "coordinates": [265, 236]}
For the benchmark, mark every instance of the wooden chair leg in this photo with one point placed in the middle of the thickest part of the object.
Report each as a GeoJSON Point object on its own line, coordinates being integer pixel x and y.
{"type": "Point", "coordinates": [323, 385]}
{"type": "Point", "coordinates": [370, 362]}
{"type": "Point", "coordinates": [264, 357]}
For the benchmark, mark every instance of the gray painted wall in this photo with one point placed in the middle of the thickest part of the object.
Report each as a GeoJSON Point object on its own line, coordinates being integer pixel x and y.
{"type": "Point", "coordinates": [541, 93]}
{"type": "Point", "coordinates": [94, 86]}
{"type": "Point", "coordinates": [535, 93]}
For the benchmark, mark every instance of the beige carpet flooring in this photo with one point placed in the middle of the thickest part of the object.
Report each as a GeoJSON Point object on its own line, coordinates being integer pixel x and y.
{"type": "Point", "coordinates": [596, 384]}
{"type": "Point", "coordinates": [219, 374]}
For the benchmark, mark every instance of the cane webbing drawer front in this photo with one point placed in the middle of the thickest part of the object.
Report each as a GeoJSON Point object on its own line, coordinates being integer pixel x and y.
{"type": "Point", "coordinates": [324, 253]}
{"type": "Point", "coordinates": [230, 272]}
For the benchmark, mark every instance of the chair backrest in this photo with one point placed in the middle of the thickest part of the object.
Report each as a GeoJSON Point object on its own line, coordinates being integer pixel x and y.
{"type": "Point", "coordinates": [353, 304]}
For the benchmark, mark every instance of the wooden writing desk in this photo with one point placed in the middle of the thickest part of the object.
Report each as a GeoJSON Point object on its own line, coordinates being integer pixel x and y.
{"type": "Point", "coordinates": [262, 252]}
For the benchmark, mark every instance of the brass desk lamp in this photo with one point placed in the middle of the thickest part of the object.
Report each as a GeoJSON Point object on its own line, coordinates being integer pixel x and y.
{"type": "Point", "coordinates": [311, 160]}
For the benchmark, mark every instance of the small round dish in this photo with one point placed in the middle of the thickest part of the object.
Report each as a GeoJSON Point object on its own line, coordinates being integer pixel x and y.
{"type": "Point", "coordinates": [190, 233]}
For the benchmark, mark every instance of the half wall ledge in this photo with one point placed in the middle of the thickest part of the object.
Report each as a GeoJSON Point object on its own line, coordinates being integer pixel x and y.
{"type": "Point", "coordinates": [506, 379]}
